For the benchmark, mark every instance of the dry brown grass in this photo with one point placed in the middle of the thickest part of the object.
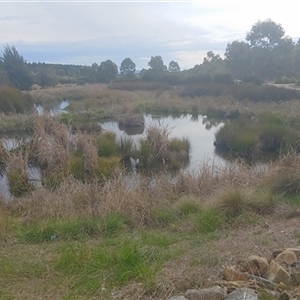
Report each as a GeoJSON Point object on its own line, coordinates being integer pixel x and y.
{"type": "Point", "coordinates": [74, 198]}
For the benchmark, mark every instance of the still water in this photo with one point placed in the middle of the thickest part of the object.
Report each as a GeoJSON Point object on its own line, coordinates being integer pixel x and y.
{"type": "Point", "coordinates": [199, 130]}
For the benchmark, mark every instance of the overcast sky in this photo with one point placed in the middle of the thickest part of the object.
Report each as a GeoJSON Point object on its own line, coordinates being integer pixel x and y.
{"type": "Point", "coordinates": [84, 32]}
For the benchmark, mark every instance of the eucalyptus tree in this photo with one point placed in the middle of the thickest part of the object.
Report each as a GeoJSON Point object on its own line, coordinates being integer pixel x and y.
{"type": "Point", "coordinates": [127, 67]}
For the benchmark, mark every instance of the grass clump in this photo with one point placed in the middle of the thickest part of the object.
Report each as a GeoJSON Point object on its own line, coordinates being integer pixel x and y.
{"type": "Point", "coordinates": [107, 144]}
{"type": "Point", "coordinates": [106, 166]}
{"type": "Point", "coordinates": [17, 175]}
{"type": "Point", "coordinates": [73, 228]}
{"type": "Point", "coordinates": [232, 202]}
{"type": "Point", "coordinates": [159, 147]}
{"type": "Point", "coordinates": [208, 221]}
{"type": "Point", "coordinates": [93, 267]}
{"type": "Point", "coordinates": [13, 100]}
{"type": "Point", "coordinates": [187, 206]}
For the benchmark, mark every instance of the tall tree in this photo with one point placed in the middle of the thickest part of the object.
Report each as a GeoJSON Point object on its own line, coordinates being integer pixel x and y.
{"type": "Point", "coordinates": [16, 68]}
{"type": "Point", "coordinates": [266, 34]}
{"type": "Point", "coordinates": [157, 65]}
{"type": "Point", "coordinates": [107, 71]}
{"type": "Point", "coordinates": [127, 67]}
{"type": "Point", "coordinates": [238, 58]}
{"type": "Point", "coordinates": [174, 66]}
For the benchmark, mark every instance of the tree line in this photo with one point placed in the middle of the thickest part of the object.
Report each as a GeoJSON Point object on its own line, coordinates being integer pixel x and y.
{"type": "Point", "coordinates": [266, 53]}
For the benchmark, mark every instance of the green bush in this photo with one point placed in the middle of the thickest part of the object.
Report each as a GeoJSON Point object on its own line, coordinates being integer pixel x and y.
{"type": "Point", "coordinates": [107, 144]}
{"type": "Point", "coordinates": [13, 100]}
{"type": "Point", "coordinates": [19, 183]}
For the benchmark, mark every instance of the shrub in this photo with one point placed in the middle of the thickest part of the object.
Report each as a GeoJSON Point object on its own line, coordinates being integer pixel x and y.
{"type": "Point", "coordinates": [13, 100]}
{"type": "Point", "coordinates": [106, 166]}
{"type": "Point", "coordinates": [107, 144]}
{"type": "Point", "coordinates": [19, 183]}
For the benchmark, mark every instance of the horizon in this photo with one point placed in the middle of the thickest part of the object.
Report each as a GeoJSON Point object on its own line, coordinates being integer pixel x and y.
{"type": "Point", "coordinates": [87, 32]}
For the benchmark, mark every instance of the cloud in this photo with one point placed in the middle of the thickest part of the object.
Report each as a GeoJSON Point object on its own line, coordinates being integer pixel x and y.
{"type": "Point", "coordinates": [85, 32]}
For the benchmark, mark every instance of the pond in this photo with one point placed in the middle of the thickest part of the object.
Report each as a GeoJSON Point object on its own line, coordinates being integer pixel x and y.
{"type": "Point", "coordinates": [199, 130]}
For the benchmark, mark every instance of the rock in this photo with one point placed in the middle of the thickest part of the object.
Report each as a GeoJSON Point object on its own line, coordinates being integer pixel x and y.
{"type": "Point", "coordinates": [277, 273]}
{"type": "Point", "coordinates": [287, 256]}
{"type": "Point", "coordinates": [242, 294]}
{"type": "Point", "coordinates": [178, 298]}
{"type": "Point", "coordinates": [276, 252]}
{"type": "Point", "coordinates": [232, 275]}
{"type": "Point", "coordinates": [295, 250]}
{"type": "Point", "coordinates": [213, 293]}
{"type": "Point", "coordinates": [260, 263]}
{"type": "Point", "coordinates": [271, 285]}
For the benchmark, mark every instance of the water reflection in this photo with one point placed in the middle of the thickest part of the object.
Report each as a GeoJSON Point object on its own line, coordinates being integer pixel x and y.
{"type": "Point", "coordinates": [200, 137]}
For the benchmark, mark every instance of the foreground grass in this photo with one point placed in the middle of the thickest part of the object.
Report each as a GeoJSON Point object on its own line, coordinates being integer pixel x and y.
{"type": "Point", "coordinates": [111, 240]}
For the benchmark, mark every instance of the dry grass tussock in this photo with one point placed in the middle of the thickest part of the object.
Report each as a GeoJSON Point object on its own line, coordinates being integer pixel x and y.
{"type": "Point", "coordinates": [52, 142]}
{"type": "Point", "coordinates": [76, 199]}
{"type": "Point", "coordinates": [117, 195]}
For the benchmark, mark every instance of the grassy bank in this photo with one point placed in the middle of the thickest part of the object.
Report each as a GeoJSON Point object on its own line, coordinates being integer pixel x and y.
{"type": "Point", "coordinates": [157, 238]}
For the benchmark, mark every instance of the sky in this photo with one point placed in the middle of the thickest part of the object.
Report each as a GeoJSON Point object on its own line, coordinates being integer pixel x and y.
{"type": "Point", "coordinates": [85, 32]}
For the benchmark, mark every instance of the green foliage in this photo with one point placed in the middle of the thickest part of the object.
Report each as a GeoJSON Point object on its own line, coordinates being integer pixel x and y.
{"type": "Point", "coordinates": [245, 135]}
{"type": "Point", "coordinates": [127, 67]}
{"type": "Point", "coordinates": [257, 93]}
{"type": "Point", "coordinates": [52, 180]}
{"type": "Point", "coordinates": [107, 71]}
{"type": "Point", "coordinates": [187, 206]}
{"type": "Point", "coordinates": [13, 100]}
{"type": "Point", "coordinates": [145, 152]}
{"type": "Point", "coordinates": [127, 147]}
{"type": "Point", "coordinates": [174, 67]}
{"type": "Point", "coordinates": [75, 167]}
{"type": "Point", "coordinates": [19, 183]}
{"type": "Point", "coordinates": [117, 267]}
{"type": "Point", "coordinates": [209, 221]}
{"type": "Point", "coordinates": [106, 166]}
{"type": "Point", "coordinates": [242, 139]}
{"type": "Point", "coordinates": [266, 34]}
{"type": "Point", "coordinates": [72, 229]}
{"type": "Point", "coordinates": [202, 90]}
{"type": "Point", "coordinates": [44, 79]}
{"type": "Point", "coordinates": [16, 68]}
{"type": "Point", "coordinates": [107, 144]}
{"type": "Point", "coordinates": [164, 216]}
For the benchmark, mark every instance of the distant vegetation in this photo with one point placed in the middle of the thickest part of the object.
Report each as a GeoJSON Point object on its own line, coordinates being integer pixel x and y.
{"type": "Point", "coordinates": [267, 54]}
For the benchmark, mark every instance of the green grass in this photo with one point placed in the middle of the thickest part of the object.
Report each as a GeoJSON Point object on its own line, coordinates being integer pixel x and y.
{"type": "Point", "coordinates": [72, 229]}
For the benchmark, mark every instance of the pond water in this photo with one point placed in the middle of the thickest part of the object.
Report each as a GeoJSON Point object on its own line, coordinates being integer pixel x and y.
{"type": "Point", "coordinates": [199, 130]}
{"type": "Point", "coordinates": [54, 111]}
